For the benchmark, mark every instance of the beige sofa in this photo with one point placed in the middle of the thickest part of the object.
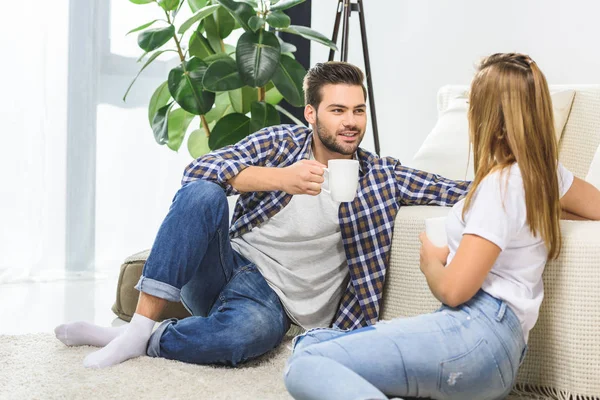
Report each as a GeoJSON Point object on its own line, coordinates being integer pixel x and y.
{"type": "Point", "coordinates": [564, 348]}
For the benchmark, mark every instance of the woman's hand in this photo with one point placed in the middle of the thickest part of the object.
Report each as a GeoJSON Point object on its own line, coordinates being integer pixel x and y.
{"type": "Point", "coordinates": [431, 254]}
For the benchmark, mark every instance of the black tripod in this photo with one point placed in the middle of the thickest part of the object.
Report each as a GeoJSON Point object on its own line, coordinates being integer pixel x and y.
{"type": "Point", "coordinates": [345, 7]}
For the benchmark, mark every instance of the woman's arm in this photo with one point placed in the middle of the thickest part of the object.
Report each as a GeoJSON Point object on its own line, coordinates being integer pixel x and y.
{"type": "Point", "coordinates": [582, 201]}
{"type": "Point", "coordinates": [463, 277]}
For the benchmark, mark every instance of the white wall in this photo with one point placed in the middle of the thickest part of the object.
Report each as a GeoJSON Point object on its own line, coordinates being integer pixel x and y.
{"type": "Point", "coordinates": [416, 46]}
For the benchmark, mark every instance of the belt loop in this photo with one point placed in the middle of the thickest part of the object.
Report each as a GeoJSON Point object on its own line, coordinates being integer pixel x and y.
{"type": "Point", "coordinates": [501, 311]}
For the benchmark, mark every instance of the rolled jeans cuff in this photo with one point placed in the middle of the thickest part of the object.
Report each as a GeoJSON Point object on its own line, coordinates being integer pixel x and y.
{"type": "Point", "coordinates": [153, 349]}
{"type": "Point", "coordinates": [158, 289]}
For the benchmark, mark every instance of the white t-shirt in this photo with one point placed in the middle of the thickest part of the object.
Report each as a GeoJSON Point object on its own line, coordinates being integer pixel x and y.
{"type": "Point", "coordinates": [498, 214]}
{"type": "Point", "coordinates": [300, 253]}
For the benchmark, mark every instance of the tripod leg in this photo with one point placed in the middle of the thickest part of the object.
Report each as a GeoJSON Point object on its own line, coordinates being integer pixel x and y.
{"type": "Point", "coordinates": [363, 34]}
{"type": "Point", "coordinates": [336, 28]}
{"type": "Point", "coordinates": [346, 29]}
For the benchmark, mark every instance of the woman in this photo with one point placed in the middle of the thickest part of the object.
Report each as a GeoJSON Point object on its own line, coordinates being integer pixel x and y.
{"type": "Point", "coordinates": [489, 279]}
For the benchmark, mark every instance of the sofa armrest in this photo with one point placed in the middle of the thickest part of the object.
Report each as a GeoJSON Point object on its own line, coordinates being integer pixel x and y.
{"type": "Point", "coordinates": [406, 292]}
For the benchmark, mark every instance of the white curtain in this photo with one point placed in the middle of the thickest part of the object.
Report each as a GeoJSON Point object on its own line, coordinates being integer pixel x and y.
{"type": "Point", "coordinates": [33, 112]}
{"type": "Point", "coordinates": [135, 179]}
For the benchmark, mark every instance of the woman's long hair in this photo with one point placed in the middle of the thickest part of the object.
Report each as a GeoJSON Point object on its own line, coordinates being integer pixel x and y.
{"type": "Point", "coordinates": [511, 120]}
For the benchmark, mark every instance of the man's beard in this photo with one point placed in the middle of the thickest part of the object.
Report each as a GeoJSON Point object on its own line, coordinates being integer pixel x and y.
{"type": "Point", "coordinates": [329, 140]}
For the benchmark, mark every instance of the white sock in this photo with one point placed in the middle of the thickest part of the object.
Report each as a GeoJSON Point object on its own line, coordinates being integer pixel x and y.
{"type": "Point", "coordinates": [131, 343]}
{"type": "Point", "coordinates": [83, 333]}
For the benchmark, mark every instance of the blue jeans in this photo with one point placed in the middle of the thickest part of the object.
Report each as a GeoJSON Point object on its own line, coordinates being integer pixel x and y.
{"type": "Point", "coordinates": [470, 352]}
{"type": "Point", "coordinates": [236, 316]}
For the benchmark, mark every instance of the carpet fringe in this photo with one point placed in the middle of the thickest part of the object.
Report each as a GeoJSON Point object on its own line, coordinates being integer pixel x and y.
{"type": "Point", "coordinates": [547, 392]}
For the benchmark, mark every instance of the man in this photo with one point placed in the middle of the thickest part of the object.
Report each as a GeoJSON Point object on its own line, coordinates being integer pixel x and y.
{"type": "Point", "coordinates": [291, 254]}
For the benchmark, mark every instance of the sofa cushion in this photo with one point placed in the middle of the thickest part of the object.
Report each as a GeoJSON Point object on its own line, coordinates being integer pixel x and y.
{"type": "Point", "coordinates": [445, 151]}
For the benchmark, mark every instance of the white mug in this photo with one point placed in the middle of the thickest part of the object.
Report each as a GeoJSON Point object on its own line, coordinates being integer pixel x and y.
{"type": "Point", "coordinates": [435, 229]}
{"type": "Point", "coordinates": [343, 179]}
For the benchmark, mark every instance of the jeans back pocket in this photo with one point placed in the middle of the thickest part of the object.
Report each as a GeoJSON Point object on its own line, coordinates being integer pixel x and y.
{"type": "Point", "coordinates": [473, 375]}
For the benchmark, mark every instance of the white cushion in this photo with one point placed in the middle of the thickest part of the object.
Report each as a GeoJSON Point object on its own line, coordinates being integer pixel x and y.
{"type": "Point", "coordinates": [445, 150]}
{"type": "Point", "coordinates": [593, 175]}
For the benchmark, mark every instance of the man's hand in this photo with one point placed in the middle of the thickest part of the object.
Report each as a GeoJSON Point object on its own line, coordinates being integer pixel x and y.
{"type": "Point", "coordinates": [304, 177]}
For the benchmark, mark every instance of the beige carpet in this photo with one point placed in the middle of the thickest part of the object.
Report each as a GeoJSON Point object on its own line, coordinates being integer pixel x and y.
{"type": "Point", "coordinates": [40, 367]}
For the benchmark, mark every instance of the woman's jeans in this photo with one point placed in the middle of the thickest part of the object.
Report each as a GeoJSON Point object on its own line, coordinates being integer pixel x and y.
{"type": "Point", "coordinates": [470, 352]}
{"type": "Point", "coordinates": [236, 316]}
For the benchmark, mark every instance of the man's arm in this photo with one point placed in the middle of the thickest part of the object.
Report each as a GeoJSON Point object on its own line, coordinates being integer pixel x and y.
{"type": "Point", "coordinates": [423, 188]}
{"type": "Point", "coordinates": [303, 177]}
{"type": "Point", "coordinates": [221, 165]}
{"type": "Point", "coordinates": [241, 167]}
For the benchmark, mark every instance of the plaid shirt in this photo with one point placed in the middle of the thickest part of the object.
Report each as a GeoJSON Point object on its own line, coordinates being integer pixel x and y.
{"type": "Point", "coordinates": [366, 223]}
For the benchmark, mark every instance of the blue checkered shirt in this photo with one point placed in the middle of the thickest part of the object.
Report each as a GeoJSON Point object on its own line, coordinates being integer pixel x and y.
{"type": "Point", "coordinates": [366, 223]}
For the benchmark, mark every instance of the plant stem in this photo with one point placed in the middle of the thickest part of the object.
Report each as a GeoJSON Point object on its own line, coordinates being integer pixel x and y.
{"type": "Point", "coordinates": [205, 125]}
{"type": "Point", "coordinates": [261, 93]}
{"type": "Point", "coordinates": [181, 56]}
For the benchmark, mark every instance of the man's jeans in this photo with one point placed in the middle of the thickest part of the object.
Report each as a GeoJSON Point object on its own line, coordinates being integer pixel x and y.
{"type": "Point", "coordinates": [469, 352]}
{"type": "Point", "coordinates": [236, 316]}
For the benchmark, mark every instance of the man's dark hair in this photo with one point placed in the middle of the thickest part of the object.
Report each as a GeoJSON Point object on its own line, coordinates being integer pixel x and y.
{"type": "Point", "coordinates": [330, 73]}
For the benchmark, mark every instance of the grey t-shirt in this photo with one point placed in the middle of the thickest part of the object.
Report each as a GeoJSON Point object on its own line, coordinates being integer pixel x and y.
{"type": "Point", "coordinates": [300, 253]}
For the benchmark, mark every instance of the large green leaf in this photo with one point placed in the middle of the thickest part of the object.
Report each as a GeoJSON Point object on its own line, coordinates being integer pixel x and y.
{"type": "Point", "coordinates": [160, 124]}
{"type": "Point", "coordinates": [177, 124]}
{"type": "Point", "coordinates": [240, 11]}
{"type": "Point", "coordinates": [229, 130]}
{"type": "Point", "coordinates": [160, 98]}
{"type": "Point", "coordinates": [197, 143]}
{"type": "Point", "coordinates": [278, 19]}
{"type": "Point", "coordinates": [272, 95]}
{"type": "Point", "coordinates": [241, 99]}
{"type": "Point", "coordinates": [196, 5]}
{"type": "Point", "coordinates": [252, 3]}
{"type": "Point", "coordinates": [169, 5]}
{"type": "Point", "coordinates": [285, 4]}
{"type": "Point", "coordinates": [216, 57]}
{"type": "Point", "coordinates": [257, 56]}
{"type": "Point", "coordinates": [141, 27]}
{"type": "Point", "coordinates": [288, 80]}
{"type": "Point", "coordinates": [148, 62]}
{"type": "Point", "coordinates": [286, 47]}
{"type": "Point", "coordinates": [225, 22]}
{"type": "Point", "coordinates": [141, 1]}
{"type": "Point", "coordinates": [256, 22]}
{"type": "Point", "coordinates": [199, 46]}
{"type": "Point", "coordinates": [212, 34]}
{"type": "Point", "coordinates": [198, 16]}
{"type": "Point", "coordinates": [310, 34]}
{"type": "Point", "coordinates": [186, 87]}
{"type": "Point", "coordinates": [221, 108]}
{"type": "Point", "coordinates": [263, 115]}
{"type": "Point", "coordinates": [152, 39]}
{"type": "Point", "coordinates": [230, 50]}
{"type": "Point", "coordinates": [222, 75]}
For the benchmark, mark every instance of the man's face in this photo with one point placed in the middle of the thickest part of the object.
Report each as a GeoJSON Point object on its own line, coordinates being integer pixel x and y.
{"type": "Point", "coordinates": [341, 118]}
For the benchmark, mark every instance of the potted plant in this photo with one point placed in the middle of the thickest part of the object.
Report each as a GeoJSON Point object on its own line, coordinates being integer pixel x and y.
{"type": "Point", "coordinates": [231, 91]}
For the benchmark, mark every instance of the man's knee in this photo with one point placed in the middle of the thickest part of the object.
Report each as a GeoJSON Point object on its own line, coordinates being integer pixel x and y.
{"type": "Point", "coordinates": [201, 194]}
